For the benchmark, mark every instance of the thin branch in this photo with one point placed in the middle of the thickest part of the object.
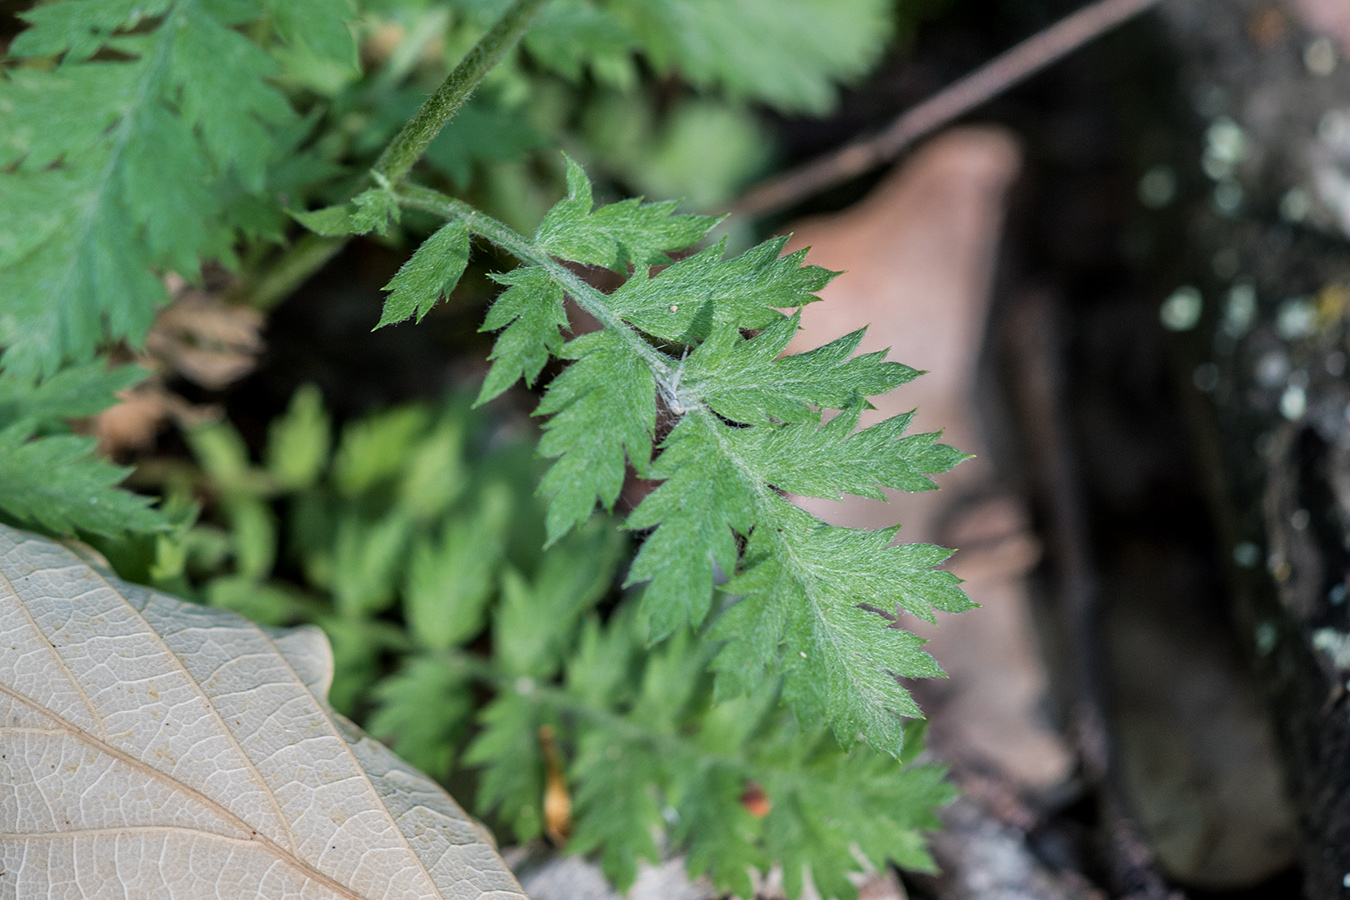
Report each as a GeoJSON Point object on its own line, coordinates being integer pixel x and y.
{"type": "Point", "coordinates": [994, 77]}
{"type": "Point", "coordinates": [409, 144]}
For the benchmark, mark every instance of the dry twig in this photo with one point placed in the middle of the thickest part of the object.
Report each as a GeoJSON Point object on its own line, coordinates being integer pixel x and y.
{"type": "Point", "coordinates": [994, 77]}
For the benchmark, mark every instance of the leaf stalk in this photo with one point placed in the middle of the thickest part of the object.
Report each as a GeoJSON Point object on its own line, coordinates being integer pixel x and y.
{"type": "Point", "coordinates": [409, 144]}
{"type": "Point", "coordinates": [587, 297]}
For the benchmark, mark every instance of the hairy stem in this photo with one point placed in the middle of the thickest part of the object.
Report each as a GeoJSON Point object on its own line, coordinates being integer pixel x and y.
{"type": "Point", "coordinates": [586, 296]}
{"type": "Point", "coordinates": [409, 144]}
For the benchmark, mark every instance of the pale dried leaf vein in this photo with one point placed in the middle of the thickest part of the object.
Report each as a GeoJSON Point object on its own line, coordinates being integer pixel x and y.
{"type": "Point", "coordinates": [260, 840]}
{"type": "Point", "coordinates": [56, 658]}
{"type": "Point", "coordinates": [292, 846]}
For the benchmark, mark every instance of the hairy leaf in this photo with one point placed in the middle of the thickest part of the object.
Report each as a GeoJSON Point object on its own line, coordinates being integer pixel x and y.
{"type": "Point", "coordinates": [72, 394]}
{"type": "Point", "coordinates": [687, 301]}
{"type": "Point", "coordinates": [531, 312]}
{"type": "Point", "coordinates": [432, 273]}
{"type": "Point", "coordinates": [618, 234]}
{"type": "Point", "coordinates": [603, 412]}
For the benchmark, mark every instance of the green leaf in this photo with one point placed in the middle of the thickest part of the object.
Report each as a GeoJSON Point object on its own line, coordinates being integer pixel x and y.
{"type": "Point", "coordinates": [531, 310]}
{"type": "Point", "coordinates": [721, 835]}
{"type": "Point", "coordinates": [82, 497]}
{"type": "Point", "coordinates": [570, 36]}
{"type": "Point", "coordinates": [508, 749]}
{"type": "Point", "coordinates": [786, 53]}
{"type": "Point", "coordinates": [318, 25]}
{"type": "Point", "coordinates": [700, 506]}
{"type": "Point", "coordinates": [373, 450]}
{"type": "Point", "coordinates": [687, 301]}
{"type": "Point", "coordinates": [833, 459]}
{"type": "Point", "coordinates": [330, 221]}
{"type": "Point", "coordinates": [298, 442]}
{"type": "Point", "coordinates": [433, 272]}
{"type": "Point", "coordinates": [371, 210]}
{"type": "Point", "coordinates": [603, 410]}
{"type": "Point", "coordinates": [130, 176]}
{"type": "Point", "coordinates": [450, 581]}
{"type": "Point", "coordinates": [737, 785]}
{"type": "Point", "coordinates": [801, 582]}
{"type": "Point", "coordinates": [618, 234]}
{"type": "Point", "coordinates": [535, 622]}
{"type": "Point", "coordinates": [374, 210]}
{"type": "Point", "coordinates": [423, 711]}
{"type": "Point", "coordinates": [366, 557]}
{"type": "Point", "coordinates": [616, 812]}
{"type": "Point", "coordinates": [482, 134]}
{"type": "Point", "coordinates": [751, 382]}
{"type": "Point", "coordinates": [435, 471]}
{"type": "Point", "coordinates": [802, 592]}
{"type": "Point", "coordinates": [71, 394]}
{"type": "Point", "coordinates": [253, 534]}
{"type": "Point", "coordinates": [264, 603]}
{"type": "Point", "coordinates": [829, 807]}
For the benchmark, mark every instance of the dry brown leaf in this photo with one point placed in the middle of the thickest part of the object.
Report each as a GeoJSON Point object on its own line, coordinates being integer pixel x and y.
{"type": "Point", "coordinates": [155, 749]}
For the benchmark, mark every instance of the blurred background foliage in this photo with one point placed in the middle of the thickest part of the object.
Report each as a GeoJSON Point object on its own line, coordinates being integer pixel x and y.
{"type": "Point", "coordinates": [307, 475]}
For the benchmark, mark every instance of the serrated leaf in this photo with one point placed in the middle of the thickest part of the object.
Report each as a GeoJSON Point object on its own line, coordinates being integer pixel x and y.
{"type": "Point", "coordinates": [603, 410]}
{"type": "Point", "coordinates": [718, 831]}
{"type": "Point", "coordinates": [830, 807]}
{"type": "Point", "coordinates": [374, 210]}
{"type": "Point", "coordinates": [319, 25]}
{"type": "Point", "coordinates": [483, 133]}
{"type": "Point", "coordinates": [58, 483]}
{"type": "Point", "coordinates": [687, 301]}
{"type": "Point", "coordinates": [787, 53]}
{"type": "Point", "coordinates": [330, 221]}
{"type": "Point", "coordinates": [450, 580]}
{"type": "Point", "coordinates": [750, 381]}
{"type": "Point", "coordinates": [570, 36]}
{"type": "Point", "coordinates": [803, 594]}
{"type": "Point", "coordinates": [134, 173]}
{"type": "Point", "coordinates": [435, 472]}
{"type": "Point", "coordinates": [830, 460]}
{"type": "Point", "coordinates": [615, 809]}
{"type": "Point", "coordinates": [422, 710]}
{"type": "Point", "coordinates": [373, 450]}
{"type": "Point", "coordinates": [531, 310]}
{"type": "Point", "coordinates": [433, 272]}
{"type": "Point", "coordinates": [698, 509]}
{"type": "Point", "coordinates": [535, 621]}
{"type": "Point", "coordinates": [801, 581]}
{"type": "Point", "coordinates": [71, 394]}
{"type": "Point", "coordinates": [201, 760]}
{"type": "Point", "coordinates": [508, 749]}
{"type": "Point", "coordinates": [366, 557]}
{"type": "Point", "coordinates": [618, 234]}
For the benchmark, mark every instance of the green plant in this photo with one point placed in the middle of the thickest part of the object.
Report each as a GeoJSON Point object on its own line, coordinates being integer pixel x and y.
{"type": "Point", "coordinates": [188, 126]}
{"type": "Point", "coordinates": [420, 542]}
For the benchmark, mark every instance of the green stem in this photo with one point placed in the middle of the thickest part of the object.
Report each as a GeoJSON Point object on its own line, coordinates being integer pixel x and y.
{"type": "Point", "coordinates": [293, 268]}
{"type": "Point", "coordinates": [586, 296]}
{"type": "Point", "coordinates": [409, 144]}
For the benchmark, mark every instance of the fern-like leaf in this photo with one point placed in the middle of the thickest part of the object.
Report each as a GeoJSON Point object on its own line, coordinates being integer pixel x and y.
{"type": "Point", "coordinates": [114, 171]}
{"type": "Point", "coordinates": [747, 426]}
